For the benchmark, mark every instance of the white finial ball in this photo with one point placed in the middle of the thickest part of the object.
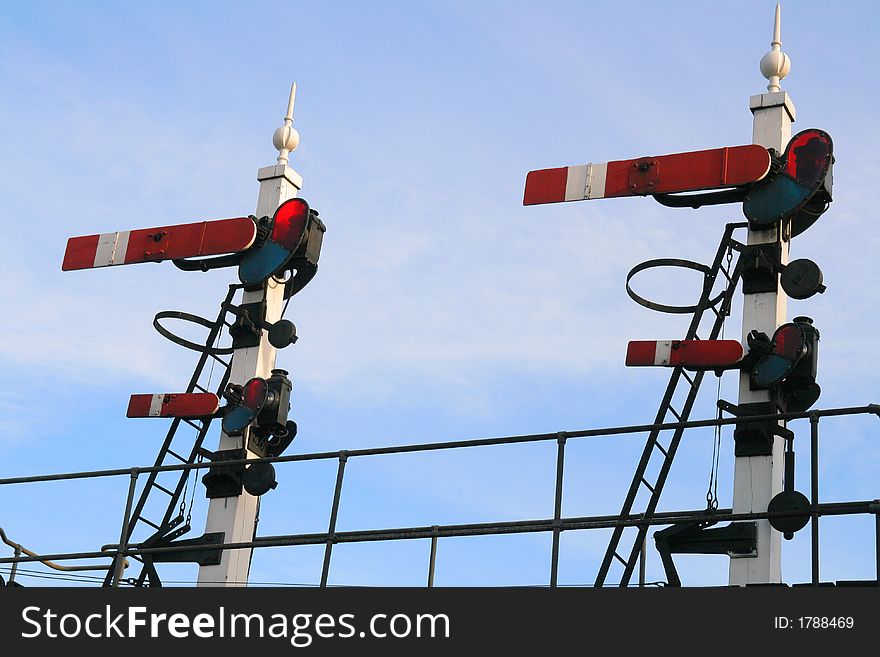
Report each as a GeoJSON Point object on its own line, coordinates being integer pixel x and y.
{"type": "Point", "coordinates": [775, 64]}
{"type": "Point", "coordinates": [285, 138]}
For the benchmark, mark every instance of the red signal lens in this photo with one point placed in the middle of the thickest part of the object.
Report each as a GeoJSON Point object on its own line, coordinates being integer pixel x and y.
{"type": "Point", "coordinates": [789, 342]}
{"type": "Point", "coordinates": [290, 223]}
{"type": "Point", "coordinates": [808, 157]}
{"type": "Point", "coordinates": [254, 394]}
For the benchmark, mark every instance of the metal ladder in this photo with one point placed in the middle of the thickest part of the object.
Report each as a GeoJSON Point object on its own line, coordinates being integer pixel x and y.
{"type": "Point", "coordinates": [667, 414]}
{"type": "Point", "coordinates": [184, 450]}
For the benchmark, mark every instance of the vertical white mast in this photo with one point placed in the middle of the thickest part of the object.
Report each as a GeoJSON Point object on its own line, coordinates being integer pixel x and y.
{"type": "Point", "coordinates": [236, 516]}
{"type": "Point", "coordinates": [758, 478]}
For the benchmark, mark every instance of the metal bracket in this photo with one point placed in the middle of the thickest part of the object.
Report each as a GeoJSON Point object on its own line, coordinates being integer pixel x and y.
{"type": "Point", "coordinates": [759, 266]}
{"type": "Point", "coordinates": [695, 201]}
{"type": "Point", "coordinates": [644, 175]}
{"type": "Point", "coordinates": [207, 264]}
{"type": "Point", "coordinates": [258, 443]}
{"type": "Point", "coordinates": [201, 557]}
{"type": "Point", "coordinates": [224, 481]}
{"type": "Point", "coordinates": [167, 532]}
{"type": "Point", "coordinates": [738, 539]}
{"type": "Point", "coordinates": [755, 437]}
{"type": "Point", "coordinates": [248, 326]}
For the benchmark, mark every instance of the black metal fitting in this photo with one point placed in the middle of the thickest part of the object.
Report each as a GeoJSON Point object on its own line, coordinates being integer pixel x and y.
{"type": "Point", "coordinates": [793, 507]}
{"type": "Point", "coordinates": [248, 326]}
{"type": "Point", "coordinates": [198, 554]}
{"type": "Point", "coordinates": [258, 444]}
{"type": "Point", "coordinates": [232, 394]}
{"type": "Point", "coordinates": [759, 345]}
{"type": "Point", "coordinates": [799, 391]}
{"type": "Point", "coordinates": [738, 539]}
{"type": "Point", "coordinates": [272, 419]}
{"type": "Point", "coordinates": [224, 481]}
{"type": "Point", "coordinates": [264, 229]}
{"type": "Point", "coordinates": [305, 260]}
{"type": "Point", "coordinates": [801, 279]}
{"type": "Point", "coordinates": [282, 333]}
{"type": "Point", "coordinates": [695, 201]}
{"type": "Point", "coordinates": [759, 266]}
{"type": "Point", "coordinates": [755, 437]}
{"type": "Point", "coordinates": [271, 445]}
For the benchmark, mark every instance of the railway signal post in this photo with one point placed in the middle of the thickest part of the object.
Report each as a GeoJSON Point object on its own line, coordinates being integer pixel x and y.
{"type": "Point", "coordinates": [236, 516]}
{"type": "Point", "coordinates": [784, 185]}
{"type": "Point", "coordinates": [276, 252]}
{"type": "Point", "coordinates": [758, 468]}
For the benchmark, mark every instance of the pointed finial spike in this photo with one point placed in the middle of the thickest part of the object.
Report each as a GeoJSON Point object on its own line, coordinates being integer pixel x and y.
{"type": "Point", "coordinates": [290, 104]}
{"type": "Point", "coordinates": [775, 65]}
{"type": "Point", "coordinates": [777, 29]}
{"type": "Point", "coordinates": [286, 138]}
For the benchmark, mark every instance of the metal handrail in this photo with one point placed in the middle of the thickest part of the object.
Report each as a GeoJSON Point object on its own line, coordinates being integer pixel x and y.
{"type": "Point", "coordinates": [557, 524]}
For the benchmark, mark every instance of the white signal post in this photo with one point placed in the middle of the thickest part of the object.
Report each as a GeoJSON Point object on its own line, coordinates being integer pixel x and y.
{"type": "Point", "coordinates": [236, 516]}
{"type": "Point", "coordinates": [758, 478]}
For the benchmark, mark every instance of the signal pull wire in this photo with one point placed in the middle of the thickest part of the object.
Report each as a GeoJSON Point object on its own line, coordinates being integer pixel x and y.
{"type": "Point", "coordinates": [712, 491]}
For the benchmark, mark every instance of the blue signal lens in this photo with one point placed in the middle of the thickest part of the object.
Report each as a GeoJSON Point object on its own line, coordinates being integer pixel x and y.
{"type": "Point", "coordinates": [237, 419]}
{"type": "Point", "coordinates": [772, 369]}
{"type": "Point", "coordinates": [258, 265]}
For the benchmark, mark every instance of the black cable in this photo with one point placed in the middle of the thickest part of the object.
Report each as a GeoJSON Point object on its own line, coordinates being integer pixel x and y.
{"type": "Point", "coordinates": [67, 577]}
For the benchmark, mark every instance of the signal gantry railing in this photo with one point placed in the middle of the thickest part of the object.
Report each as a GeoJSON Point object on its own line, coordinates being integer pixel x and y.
{"type": "Point", "coordinates": [555, 525]}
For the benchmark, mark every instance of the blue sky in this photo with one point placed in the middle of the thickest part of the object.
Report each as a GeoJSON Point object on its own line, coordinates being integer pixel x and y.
{"type": "Point", "coordinates": [443, 309]}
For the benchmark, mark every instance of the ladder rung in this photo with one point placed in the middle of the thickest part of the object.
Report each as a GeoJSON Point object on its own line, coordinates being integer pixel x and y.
{"type": "Point", "coordinates": [196, 385]}
{"type": "Point", "coordinates": [151, 524]}
{"type": "Point", "coordinates": [660, 447]}
{"type": "Point", "coordinates": [620, 559]}
{"type": "Point", "coordinates": [671, 410]}
{"type": "Point", "coordinates": [193, 424]}
{"type": "Point", "coordinates": [178, 457]}
{"type": "Point", "coordinates": [689, 379]}
{"type": "Point", "coordinates": [647, 485]}
{"type": "Point", "coordinates": [219, 360]}
{"type": "Point", "coordinates": [136, 558]}
{"type": "Point", "coordinates": [163, 489]}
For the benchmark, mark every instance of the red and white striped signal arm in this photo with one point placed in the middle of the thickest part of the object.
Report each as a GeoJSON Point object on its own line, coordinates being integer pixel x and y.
{"type": "Point", "coordinates": [689, 354]}
{"type": "Point", "coordinates": [182, 405]}
{"type": "Point", "coordinates": [204, 238]}
{"type": "Point", "coordinates": [663, 174]}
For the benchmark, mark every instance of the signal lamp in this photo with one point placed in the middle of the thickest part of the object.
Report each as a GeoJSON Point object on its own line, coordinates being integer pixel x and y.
{"type": "Point", "coordinates": [286, 230]}
{"type": "Point", "coordinates": [799, 391]}
{"type": "Point", "coordinates": [254, 395]}
{"type": "Point", "coordinates": [790, 363]}
{"type": "Point", "coordinates": [800, 191]}
{"type": "Point", "coordinates": [263, 403]}
{"type": "Point", "coordinates": [787, 347]}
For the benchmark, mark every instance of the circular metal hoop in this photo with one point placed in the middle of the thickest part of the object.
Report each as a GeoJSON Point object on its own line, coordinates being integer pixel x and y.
{"type": "Point", "coordinates": [195, 319]}
{"type": "Point", "coordinates": [669, 262]}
